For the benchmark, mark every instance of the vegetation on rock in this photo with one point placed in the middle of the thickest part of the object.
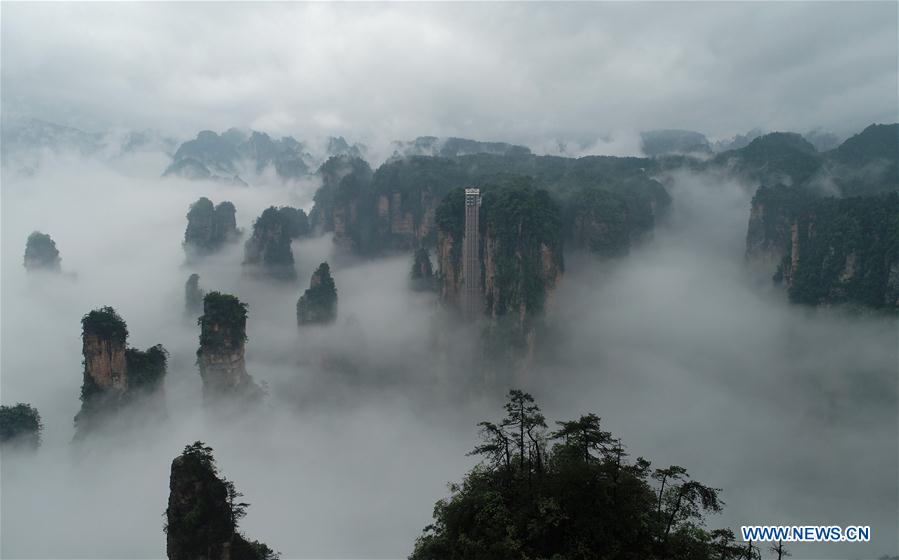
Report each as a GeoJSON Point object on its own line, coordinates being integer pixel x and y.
{"type": "Point", "coordinates": [106, 323]}
{"type": "Point", "coordinates": [269, 247]}
{"type": "Point", "coordinates": [209, 227]}
{"type": "Point", "coordinates": [570, 493]}
{"type": "Point", "coordinates": [146, 368]}
{"type": "Point", "coordinates": [830, 250]}
{"type": "Point", "coordinates": [221, 355]}
{"type": "Point", "coordinates": [114, 375]}
{"type": "Point", "coordinates": [223, 325]}
{"type": "Point", "coordinates": [203, 512]}
{"type": "Point", "coordinates": [20, 425]}
{"type": "Point", "coordinates": [318, 304]}
{"type": "Point", "coordinates": [397, 208]}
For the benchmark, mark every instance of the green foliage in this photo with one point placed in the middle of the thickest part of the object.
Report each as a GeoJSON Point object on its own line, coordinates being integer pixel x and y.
{"type": "Point", "coordinates": [847, 248]}
{"type": "Point", "coordinates": [269, 245]}
{"type": "Point", "coordinates": [578, 499]}
{"type": "Point", "coordinates": [295, 220]}
{"type": "Point", "coordinates": [773, 158]}
{"type": "Point", "coordinates": [41, 252]}
{"type": "Point", "coordinates": [421, 181]}
{"type": "Point", "coordinates": [20, 424]}
{"type": "Point", "coordinates": [318, 304]}
{"type": "Point", "coordinates": [146, 369]}
{"type": "Point", "coordinates": [599, 221]}
{"type": "Point", "coordinates": [865, 164]}
{"type": "Point", "coordinates": [105, 323]}
{"type": "Point", "coordinates": [345, 180]}
{"type": "Point", "coordinates": [223, 325]}
{"type": "Point", "coordinates": [520, 220]}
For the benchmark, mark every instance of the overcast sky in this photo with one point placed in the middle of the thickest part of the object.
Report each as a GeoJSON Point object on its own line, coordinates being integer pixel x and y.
{"type": "Point", "coordinates": [527, 73]}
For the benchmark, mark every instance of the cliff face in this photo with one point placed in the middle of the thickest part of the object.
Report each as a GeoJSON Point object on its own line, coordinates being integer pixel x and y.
{"type": "Point", "coordinates": [521, 254]}
{"type": "Point", "coordinates": [608, 221]}
{"type": "Point", "coordinates": [344, 203]}
{"type": "Point", "coordinates": [221, 356]}
{"type": "Point", "coordinates": [104, 362]}
{"type": "Point", "coordinates": [202, 512]}
{"type": "Point", "coordinates": [406, 221]}
{"type": "Point", "coordinates": [421, 277]}
{"type": "Point", "coordinates": [41, 253]}
{"type": "Point", "coordinates": [318, 304]}
{"type": "Point", "coordinates": [828, 250]}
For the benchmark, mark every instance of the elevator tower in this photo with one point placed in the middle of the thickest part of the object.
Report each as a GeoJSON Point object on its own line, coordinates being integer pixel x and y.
{"type": "Point", "coordinates": [471, 259]}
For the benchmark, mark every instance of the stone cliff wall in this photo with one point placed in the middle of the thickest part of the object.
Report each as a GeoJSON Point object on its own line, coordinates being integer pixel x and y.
{"type": "Point", "coordinates": [104, 362]}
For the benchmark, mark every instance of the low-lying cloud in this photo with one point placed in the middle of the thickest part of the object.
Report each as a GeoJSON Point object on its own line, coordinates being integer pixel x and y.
{"type": "Point", "coordinates": [687, 355]}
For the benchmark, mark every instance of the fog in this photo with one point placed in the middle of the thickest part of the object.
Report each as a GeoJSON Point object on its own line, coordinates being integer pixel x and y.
{"type": "Point", "coordinates": [687, 355]}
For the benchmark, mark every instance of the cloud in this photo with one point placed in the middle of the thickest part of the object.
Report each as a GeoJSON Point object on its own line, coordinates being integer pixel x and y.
{"type": "Point", "coordinates": [523, 73]}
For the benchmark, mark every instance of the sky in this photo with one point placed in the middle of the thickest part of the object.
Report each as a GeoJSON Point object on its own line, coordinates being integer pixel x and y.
{"type": "Point", "coordinates": [531, 73]}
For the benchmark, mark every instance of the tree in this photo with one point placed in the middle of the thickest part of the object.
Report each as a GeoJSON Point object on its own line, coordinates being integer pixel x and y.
{"type": "Point", "coordinates": [585, 434]}
{"type": "Point", "coordinates": [203, 512]}
{"type": "Point", "coordinates": [20, 424]}
{"type": "Point", "coordinates": [780, 550]}
{"type": "Point", "coordinates": [525, 418]}
{"type": "Point", "coordinates": [602, 507]}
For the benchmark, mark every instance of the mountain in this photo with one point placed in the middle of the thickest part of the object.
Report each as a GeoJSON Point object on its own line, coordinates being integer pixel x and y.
{"type": "Point", "coordinates": [394, 208]}
{"type": "Point", "coordinates": [670, 142]}
{"type": "Point", "coordinates": [26, 141]}
{"type": "Point", "coordinates": [235, 154]}
{"type": "Point", "coordinates": [24, 135]}
{"type": "Point", "coordinates": [453, 147]}
{"type": "Point", "coordinates": [866, 164]}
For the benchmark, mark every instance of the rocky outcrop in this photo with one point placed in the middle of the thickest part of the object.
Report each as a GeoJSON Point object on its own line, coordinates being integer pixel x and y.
{"type": "Point", "coordinates": [114, 375]}
{"type": "Point", "coordinates": [828, 250]}
{"type": "Point", "coordinates": [771, 225]}
{"type": "Point", "coordinates": [41, 253]}
{"type": "Point", "coordinates": [20, 426]}
{"type": "Point", "coordinates": [268, 252]}
{"type": "Point", "coordinates": [193, 297]}
{"type": "Point", "coordinates": [521, 254]}
{"type": "Point", "coordinates": [203, 512]}
{"type": "Point", "coordinates": [209, 228]}
{"type": "Point", "coordinates": [318, 304]}
{"type": "Point", "coordinates": [221, 356]}
{"type": "Point", "coordinates": [606, 223]}
{"type": "Point", "coordinates": [344, 203]}
{"type": "Point", "coordinates": [421, 278]}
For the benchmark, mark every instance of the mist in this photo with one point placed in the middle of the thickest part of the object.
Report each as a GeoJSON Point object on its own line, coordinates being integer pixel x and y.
{"type": "Point", "coordinates": [687, 355]}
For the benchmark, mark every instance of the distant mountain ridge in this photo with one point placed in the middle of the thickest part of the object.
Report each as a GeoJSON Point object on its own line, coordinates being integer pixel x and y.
{"type": "Point", "coordinates": [26, 140]}
{"type": "Point", "coordinates": [454, 147]}
{"type": "Point", "coordinates": [227, 156]}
